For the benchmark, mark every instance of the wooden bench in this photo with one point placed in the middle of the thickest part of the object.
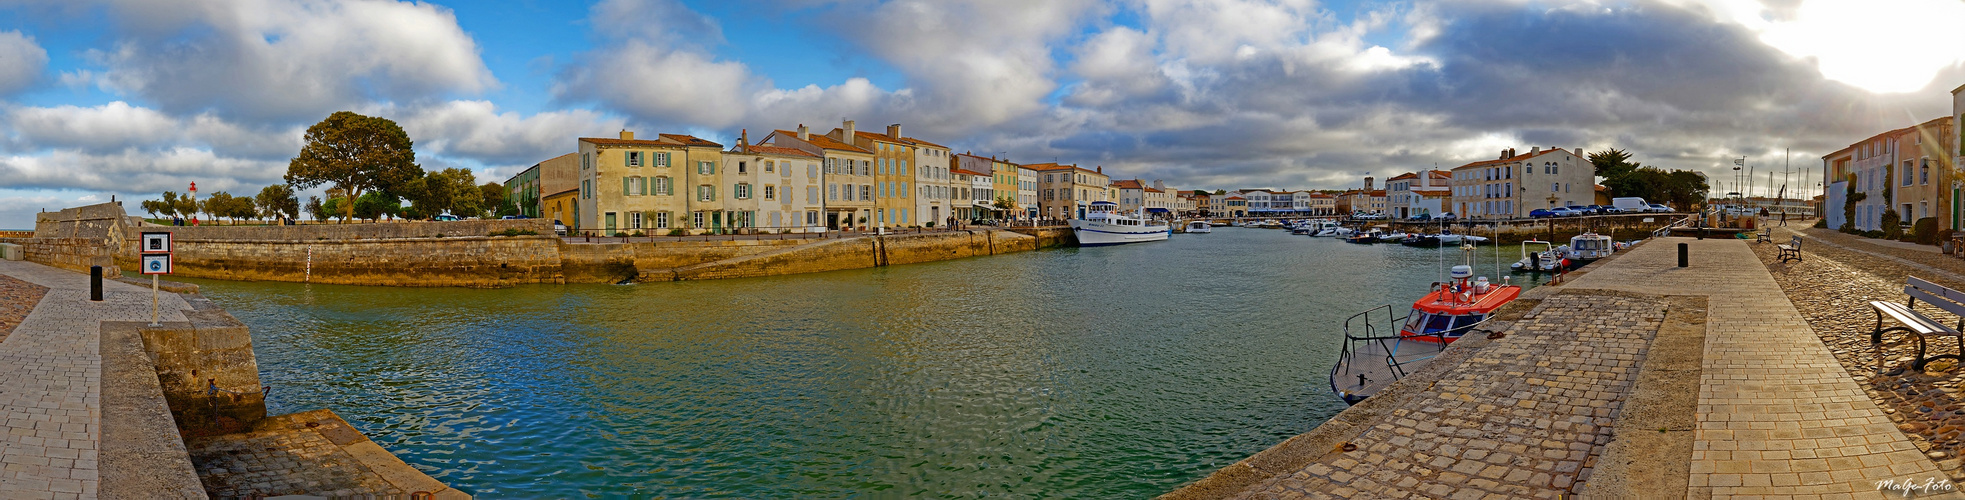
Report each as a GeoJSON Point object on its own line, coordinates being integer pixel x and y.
{"type": "Point", "coordinates": [1790, 250]}
{"type": "Point", "coordinates": [1916, 323]}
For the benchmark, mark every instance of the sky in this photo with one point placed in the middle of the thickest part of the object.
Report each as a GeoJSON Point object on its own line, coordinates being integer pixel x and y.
{"type": "Point", "coordinates": [129, 98]}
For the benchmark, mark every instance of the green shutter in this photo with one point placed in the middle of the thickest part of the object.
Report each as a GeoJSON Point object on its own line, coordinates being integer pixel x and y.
{"type": "Point", "coordinates": [644, 186]}
{"type": "Point", "coordinates": [627, 186]}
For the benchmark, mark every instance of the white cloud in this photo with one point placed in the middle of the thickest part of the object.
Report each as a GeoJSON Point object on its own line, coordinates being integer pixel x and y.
{"type": "Point", "coordinates": [21, 62]}
{"type": "Point", "coordinates": [476, 130]}
{"type": "Point", "coordinates": [288, 59]}
{"type": "Point", "coordinates": [662, 85]}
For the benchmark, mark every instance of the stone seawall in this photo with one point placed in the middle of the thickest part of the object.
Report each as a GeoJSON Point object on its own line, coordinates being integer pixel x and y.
{"type": "Point", "coordinates": [478, 261]}
{"type": "Point", "coordinates": [855, 253]}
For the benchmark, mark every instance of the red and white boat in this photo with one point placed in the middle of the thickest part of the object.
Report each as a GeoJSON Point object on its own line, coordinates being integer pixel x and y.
{"type": "Point", "coordinates": [1374, 356]}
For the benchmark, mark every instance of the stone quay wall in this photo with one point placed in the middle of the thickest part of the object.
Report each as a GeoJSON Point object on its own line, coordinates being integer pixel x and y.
{"type": "Point", "coordinates": [461, 253]}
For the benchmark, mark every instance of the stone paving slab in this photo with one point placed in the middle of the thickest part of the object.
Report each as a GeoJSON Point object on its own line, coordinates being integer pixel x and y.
{"type": "Point", "coordinates": [1777, 414]}
{"type": "Point", "coordinates": [17, 298]}
{"type": "Point", "coordinates": [307, 453]}
{"type": "Point", "coordinates": [50, 381]}
{"type": "Point", "coordinates": [1524, 417]}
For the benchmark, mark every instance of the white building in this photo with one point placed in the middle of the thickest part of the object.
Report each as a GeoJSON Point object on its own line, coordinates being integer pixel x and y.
{"type": "Point", "coordinates": [783, 186]}
{"type": "Point", "coordinates": [1027, 192]}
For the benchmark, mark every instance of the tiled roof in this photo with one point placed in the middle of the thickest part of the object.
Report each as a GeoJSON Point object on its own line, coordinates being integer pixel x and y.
{"type": "Point", "coordinates": [1407, 175]}
{"type": "Point", "coordinates": [823, 142]}
{"type": "Point", "coordinates": [689, 140]}
{"type": "Point", "coordinates": [1380, 192]}
{"type": "Point", "coordinates": [1151, 190]}
{"type": "Point", "coordinates": [1128, 184]}
{"type": "Point", "coordinates": [920, 142]}
{"type": "Point", "coordinates": [607, 141]}
{"type": "Point", "coordinates": [776, 150]}
{"type": "Point", "coordinates": [960, 170]}
{"type": "Point", "coordinates": [1484, 163]}
{"type": "Point", "coordinates": [879, 137]}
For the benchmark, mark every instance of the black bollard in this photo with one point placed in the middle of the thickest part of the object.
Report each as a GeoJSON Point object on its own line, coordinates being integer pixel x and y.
{"type": "Point", "coordinates": [95, 283]}
{"type": "Point", "coordinates": [1684, 254]}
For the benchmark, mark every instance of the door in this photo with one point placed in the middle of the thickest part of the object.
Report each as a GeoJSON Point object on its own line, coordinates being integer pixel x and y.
{"type": "Point", "coordinates": [832, 220]}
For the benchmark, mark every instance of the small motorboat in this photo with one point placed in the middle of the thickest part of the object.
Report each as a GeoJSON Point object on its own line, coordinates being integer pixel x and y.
{"type": "Point", "coordinates": [1588, 247]}
{"type": "Point", "coordinates": [1374, 355]}
{"type": "Point", "coordinates": [1366, 237]}
{"type": "Point", "coordinates": [1199, 227]}
{"type": "Point", "coordinates": [1544, 261]}
{"type": "Point", "coordinates": [1393, 237]}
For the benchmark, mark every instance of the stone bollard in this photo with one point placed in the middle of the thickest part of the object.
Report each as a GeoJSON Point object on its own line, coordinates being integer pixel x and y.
{"type": "Point", "coordinates": [95, 283]}
{"type": "Point", "coordinates": [1684, 254]}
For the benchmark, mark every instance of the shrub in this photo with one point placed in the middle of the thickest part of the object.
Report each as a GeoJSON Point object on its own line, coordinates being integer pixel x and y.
{"type": "Point", "coordinates": [638, 234]}
{"type": "Point", "coordinates": [678, 232]}
{"type": "Point", "coordinates": [620, 234]}
{"type": "Point", "coordinates": [1873, 234]}
{"type": "Point", "coordinates": [928, 224]}
{"type": "Point", "coordinates": [1925, 231]}
{"type": "Point", "coordinates": [529, 232]}
{"type": "Point", "coordinates": [1893, 225]}
{"type": "Point", "coordinates": [1822, 223]}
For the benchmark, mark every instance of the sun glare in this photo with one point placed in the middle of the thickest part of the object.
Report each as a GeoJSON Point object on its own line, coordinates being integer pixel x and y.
{"type": "Point", "coordinates": [1883, 46]}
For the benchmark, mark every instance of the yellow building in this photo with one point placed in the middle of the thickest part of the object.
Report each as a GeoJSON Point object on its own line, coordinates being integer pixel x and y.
{"type": "Point", "coordinates": [629, 185]}
{"type": "Point", "coordinates": [893, 173]}
{"type": "Point", "coordinates": [563, 206]}
{"type": "Point", "coordinates": [848, 175]}
{"type": "Point", "coordinates": [1003, 178]}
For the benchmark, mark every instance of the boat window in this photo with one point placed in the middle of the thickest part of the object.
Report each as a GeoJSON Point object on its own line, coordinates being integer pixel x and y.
{"type": "Point", "coordinates": [1438, 323]}
{"type": "Point", "coordinates": [1461, 322]}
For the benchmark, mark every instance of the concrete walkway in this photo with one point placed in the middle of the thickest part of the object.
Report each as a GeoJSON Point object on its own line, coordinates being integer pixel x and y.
{"type": "Point", "coordinates": [51, 382]}
{"type": "Point", "coordinates": [1778, 415]}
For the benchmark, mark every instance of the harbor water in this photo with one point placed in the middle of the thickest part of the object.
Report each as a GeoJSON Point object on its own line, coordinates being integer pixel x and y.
{"type": "Point", "coordinates": [1112, 372]}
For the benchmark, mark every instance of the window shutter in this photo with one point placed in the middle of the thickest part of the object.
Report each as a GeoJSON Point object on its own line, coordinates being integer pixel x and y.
{"type": "Point", "coordinates": [627, 186]}
{"type": "Point", "coordinates": [644, 185]}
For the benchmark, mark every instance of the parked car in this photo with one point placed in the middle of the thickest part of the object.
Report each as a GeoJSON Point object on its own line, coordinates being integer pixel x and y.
{"type": "Point", "coordinates": [1420, 216]}
{"type": "Point", "coordinates": [1563, 212]}
{"type": "Point", "coordinates": [1605, 209]}
{"type": "Point", "coordinates": [1540, 213]}
{"type": "Point", "coordinates": [558, 228]}
{"type": "Point", "coordinates": [1448, 216]}
{"type": "Point", "coordinates": [511, 217]}
{"type": "Point", "coordinates": [1655, 207]}
{"type": "Point", "coordinates": [445, 217]}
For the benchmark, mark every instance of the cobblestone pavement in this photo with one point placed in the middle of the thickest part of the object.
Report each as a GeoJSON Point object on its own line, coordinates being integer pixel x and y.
{"type": "Point", "coordinates": [51, 381]}
{"type": "Point", "coordinates": [1832, 287]}
{"type": "Point", "coordinates": [1524, 417]}
{"type": "Point", "coordinates": [282, 462]}
{"type": "Point", "coordinates": [1778, 414]}
{"type": "Point", "coordinates": [17, 298]}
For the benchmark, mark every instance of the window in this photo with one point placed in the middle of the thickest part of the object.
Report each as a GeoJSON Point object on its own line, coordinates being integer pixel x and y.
{"type": "Point", "coordinates": [634, 158]}
{"type": "Point", "coordinates": [768, 165]}
{"type": "Point", "coordinates": [662, 186]}
{"type": "Point", "coordinates": [627, 186]}
{"type": "Point", "coordinates": [812, 217]}
{"type": "Point", "coordinates": [661, 220]}
{"type": "Point", "coordinates": [770, 192]}
{"type": "Point", "coordinates": [904, 216]}
{"type": "Point", "coordinates": [634, 220]}
{"type": "Point", "coordinates": [832, 191]}
{"type": "Point", "coordinates": [696, 219]}
{"type": "Point", "coordinates": [705, 168]}
{"type": "Point", "coordinates": [587, 188]}
{"type": "Point", "coordinates": [705, 193]}
{"type": "Point", "coordinates": [1906, 177]}
{"type": "Point", "coordinates": [811, 170]}
{"type": "Point", "coordinates": [903, 167]}
{"type": "Point", "coordinates": [1555, 186]}
{"type": "Point", "coordinates": [661, 159]}
{"type": "Point", "coordinates": [743, 168]}
{"type": "Point", "coordinates": [866, 167]}
{"type": "Point", "coordinates": [866, 192]}
{"type": "Point", "coordinates": [811, 193]}
{"type": "Point", "coordinates": [849, 192]}
{"type": "Point", "coordinates": [743, 191]}
{"type": "Point", "coordinates": [586, 161]}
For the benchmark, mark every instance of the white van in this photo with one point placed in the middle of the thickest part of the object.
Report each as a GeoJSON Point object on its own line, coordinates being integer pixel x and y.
{"type": "Point", "coordinates": [1631, 205]}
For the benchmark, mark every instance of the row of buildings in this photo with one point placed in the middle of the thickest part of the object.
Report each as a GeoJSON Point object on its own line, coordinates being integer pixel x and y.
{"type": "Point", "coordinates": [803, 180]}
{"type": "Point", "coordinates": [1911, 171]}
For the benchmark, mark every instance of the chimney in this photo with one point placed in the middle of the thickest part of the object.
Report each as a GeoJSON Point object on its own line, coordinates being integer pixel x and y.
{"type": "Point", "coordinates": [1579, 151]}
{"type": "Point", "coordinates": [894, 131]}
{"type": "Point", "coordinates": [627, 135]}
{"type": "Point", "coordinates": [803, 133]}
{"type": "Point", "coordinates": [743, 139]}
{"type": "Point", "coordinates": [850, 133]}
{"type": "Point", "coordinates": [1160, 185]}
{"type": "Point", "coordinates": [1534, 150]}
{"type": "Point", "coordinates": [1101, 169]}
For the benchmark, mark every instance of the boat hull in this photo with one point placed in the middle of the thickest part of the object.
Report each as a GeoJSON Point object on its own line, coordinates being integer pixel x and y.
{"type": "Point", "coordinates": [1096, 233]}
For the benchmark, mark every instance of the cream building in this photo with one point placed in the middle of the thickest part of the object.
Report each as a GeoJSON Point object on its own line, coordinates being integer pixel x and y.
{"type": "Point", "coordinates": [932, 180]}
{"type": "Point", "coordinates": [1027, 193]}
{"type": "Point", "coordinates": [630, 185]}
{"type": "Point", "coordinates": [895, 159]}
{"type": "Point", "coordinates": [847, 171]}
{"type": "Point", "coordinates": [1513, 185]}
{"type": "Point", "coordinates": [784, 185]}
{"type": "Point", "coordinates": [1064, 191]}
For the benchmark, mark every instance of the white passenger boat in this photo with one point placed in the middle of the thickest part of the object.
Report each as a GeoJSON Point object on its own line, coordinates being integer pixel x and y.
{"type": "Point", "coordinates": [1199, 226]}
{"type": "Point", "coordinates": [1587, 247]}
{"type": "Point", "coordinates": [1104, 225]}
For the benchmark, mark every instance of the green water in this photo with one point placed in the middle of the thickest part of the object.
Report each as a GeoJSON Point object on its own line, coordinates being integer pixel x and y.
{"type": "Point", "coordinates": [1112, 372]}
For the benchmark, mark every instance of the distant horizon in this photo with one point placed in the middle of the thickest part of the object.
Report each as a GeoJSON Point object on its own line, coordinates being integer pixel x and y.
{"type": "Point", "coordinates": [1202, 94]}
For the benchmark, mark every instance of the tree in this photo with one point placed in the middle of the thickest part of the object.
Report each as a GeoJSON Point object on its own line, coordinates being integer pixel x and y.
{"type": "Point", "coordinates": [278, 200]}
{"type": "Point", "coordinates": [357, 154]}
{"type": "Point", "coordinates": [155, 206]}
{"type": "Point", "coordinates": [314, 208]}
{"type": "Point", "coordinates": [491, 198]}
{"type": "Point", "coordinates": [376, 204]}
{"type": "Point", "coordinates": [1613, 162]}
{"type": "Point", "coordinates": [453, 190]}
{"type": "Point", "coordinates": [223, 204]}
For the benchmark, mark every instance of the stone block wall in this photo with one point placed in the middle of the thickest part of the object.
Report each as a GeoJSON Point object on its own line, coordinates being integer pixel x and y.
{"type": "Point", "coordinates": [476, 261]}
{"type": "Point", "coordinates": [355, 231]}
{"type": "Point", "coordinates": [821, 256]}
{"type": "Point", "coordinates": [213, 350]}
{"type": "Point", "coordinates": [74, 254]}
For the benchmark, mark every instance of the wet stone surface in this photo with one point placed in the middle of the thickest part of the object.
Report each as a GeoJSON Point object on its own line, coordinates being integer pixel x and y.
{"type": "Point", "coordinates": [1525, 417]}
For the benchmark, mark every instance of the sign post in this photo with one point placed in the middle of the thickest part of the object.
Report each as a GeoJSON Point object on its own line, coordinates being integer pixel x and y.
{"type": "Point", "coordinates": [156, 260]}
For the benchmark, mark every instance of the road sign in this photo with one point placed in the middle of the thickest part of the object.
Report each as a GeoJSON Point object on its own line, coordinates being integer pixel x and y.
{"type": "Point", "coordinates": [156, 263]}
{"type": "Point", "coordinates": [156, 242]}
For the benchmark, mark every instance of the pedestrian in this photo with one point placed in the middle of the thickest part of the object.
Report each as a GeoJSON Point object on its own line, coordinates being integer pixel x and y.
{"type": "Point", "coordinates": [1784, 218]}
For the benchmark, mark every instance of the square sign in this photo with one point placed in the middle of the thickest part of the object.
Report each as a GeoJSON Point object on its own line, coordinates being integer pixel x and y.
{"type": "Point", "coordinates": [158, 242]}
{"type": "Point", "coordinates": [156, 263]}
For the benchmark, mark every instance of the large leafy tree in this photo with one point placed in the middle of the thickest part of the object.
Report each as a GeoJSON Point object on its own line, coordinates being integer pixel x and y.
{"type": "Point", "coordinates": [1613, 162]}
{"type": "Point", "coordinates": [357, 154]}
{"type": "Point", "coordinates": [315, 209]}
{"type": "Point", "coordinates": [492, 199]}
{"type": "Point", "coordinates": [155, 207]}
{"type": "Point", "coordinates": [278, 200]}
{"type": "Point", "coordinates": [453, 190]}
